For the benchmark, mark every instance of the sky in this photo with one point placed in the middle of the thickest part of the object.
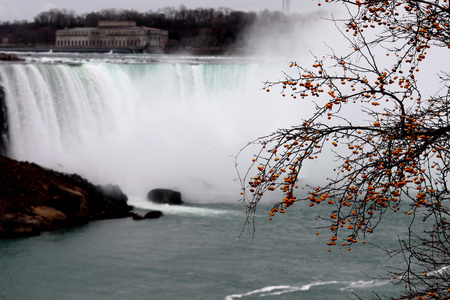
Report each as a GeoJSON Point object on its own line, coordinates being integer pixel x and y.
{"type": "Point", "coordinates": [11, 10]}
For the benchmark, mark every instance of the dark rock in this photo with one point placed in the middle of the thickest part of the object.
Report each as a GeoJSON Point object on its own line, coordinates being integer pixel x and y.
{"type": "Point", "coordinates": [111, 202]}
{"type": "Point", "coordinates": [71, 201]}
{"type": "Point", "coordinates": [137, 217]}
{"type": "Point", "coordinates": [33, 199]}
{"type": "Point", "coordinates": [154, 214]}
{"type": "Point", "coordinates": [9, 57]}
{"type": "Point", "coordinates": [165, 196]}
{"type": "Point", "coordinates": [3, 123]}
{"type": "Point", "coordinates": [48, 217]}
{"type": "Point", "coordinates": [14, 225]}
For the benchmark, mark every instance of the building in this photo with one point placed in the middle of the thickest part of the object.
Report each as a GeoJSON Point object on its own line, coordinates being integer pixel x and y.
{"type": "Point", "coordinates": [113, 35]}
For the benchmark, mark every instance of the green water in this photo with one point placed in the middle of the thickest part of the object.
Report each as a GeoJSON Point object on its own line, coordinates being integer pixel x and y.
{"type": "Point", "coordinates": [146, 122]}
{"type": "Point", "coordinates": [193, 252]}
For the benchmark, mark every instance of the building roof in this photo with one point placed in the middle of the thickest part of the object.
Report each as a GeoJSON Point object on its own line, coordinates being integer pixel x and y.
{"type": "Point", "coordinates": [110, 28]}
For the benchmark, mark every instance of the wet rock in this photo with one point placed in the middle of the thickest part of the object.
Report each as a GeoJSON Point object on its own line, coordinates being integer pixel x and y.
{"type": "Point", "coordinates": [48, 217]}
{"type": "Point", "coordinates": [137, 217]}
{"type": "Point", "coordinates": [9, 57]}
{"type": "Point", "coordinates": [71, 201]}
{"type": "Point", "coordinates": [111, 202]}
{"type": "Point", "coordinates": [18, 224]}
{"type": "Point", "coordinates": [154, 214]}
{"type": "Point", "coordinates": [33, 199]}
{"type": "Point", "coordinates": [165, 196]}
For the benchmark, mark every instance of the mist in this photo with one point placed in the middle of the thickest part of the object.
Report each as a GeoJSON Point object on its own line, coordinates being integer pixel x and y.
{"type": "Point", "coordinates": [176, 123]}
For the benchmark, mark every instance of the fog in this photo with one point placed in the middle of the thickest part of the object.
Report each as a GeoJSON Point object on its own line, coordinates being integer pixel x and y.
{"type": "Point", "coordinates": [145, 122]}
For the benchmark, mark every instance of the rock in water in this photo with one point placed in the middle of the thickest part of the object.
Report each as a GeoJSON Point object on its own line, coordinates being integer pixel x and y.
{"type": "Point", "coordinates": [111, 202]}
{"type": "Point", "coordinates": [165, 196]}
{"type": "Point", "coordinates": [137, 217]}
{"type": "Point", "coordinates": [153, 214]}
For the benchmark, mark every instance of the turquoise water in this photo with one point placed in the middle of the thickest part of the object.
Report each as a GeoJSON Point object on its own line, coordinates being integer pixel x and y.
{"type": "Point", "coordinates": [193, 252]}
{"type": "Point", "coordinates": [146, 122]}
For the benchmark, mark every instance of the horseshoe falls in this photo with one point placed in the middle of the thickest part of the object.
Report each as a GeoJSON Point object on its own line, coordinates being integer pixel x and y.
{"type": "Point", "coordinates": [141, 126]}
{"type": "Point", "coordinates": [144, 122]}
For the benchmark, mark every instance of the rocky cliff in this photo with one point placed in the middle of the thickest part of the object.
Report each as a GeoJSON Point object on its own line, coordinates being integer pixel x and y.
{"type": "Point", "coordinates": [35, 199]}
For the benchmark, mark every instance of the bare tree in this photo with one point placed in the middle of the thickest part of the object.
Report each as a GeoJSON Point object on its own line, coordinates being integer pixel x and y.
{"type": "Point", "coordinates": [394, 159]}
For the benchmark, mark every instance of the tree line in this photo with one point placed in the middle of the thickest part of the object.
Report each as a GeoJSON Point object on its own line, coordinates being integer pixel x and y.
{"type": "Point", "coordinates": [205, 28]}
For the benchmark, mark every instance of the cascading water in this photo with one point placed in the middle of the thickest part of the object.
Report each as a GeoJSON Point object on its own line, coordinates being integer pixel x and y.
{"type": "Point", "coordinates": [142, 126]}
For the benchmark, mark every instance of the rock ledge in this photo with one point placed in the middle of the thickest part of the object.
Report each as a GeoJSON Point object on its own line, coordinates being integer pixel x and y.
{"type": "Point", "coordinates": [35, 199]}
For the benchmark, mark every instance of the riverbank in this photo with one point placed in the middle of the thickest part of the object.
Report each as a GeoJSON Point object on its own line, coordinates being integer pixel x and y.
{"type": "Point", "coordinates": [34, 199]}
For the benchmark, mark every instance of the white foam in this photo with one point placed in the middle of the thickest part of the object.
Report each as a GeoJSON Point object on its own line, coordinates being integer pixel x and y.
{"type": "Point", "coordinates": [142, 203]}
{"type": "Point", "coordinates": [440, 271]}
{"type": "Point", "coordinates": [360, 284]}
{"type": "Point", "coordinates": [263, 290]}
{"type": "Point", "coordinates": [283, 289]}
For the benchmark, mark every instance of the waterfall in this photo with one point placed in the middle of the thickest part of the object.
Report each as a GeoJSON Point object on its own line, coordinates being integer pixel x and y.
{"type": "Point", "coordinates": [142, 125]}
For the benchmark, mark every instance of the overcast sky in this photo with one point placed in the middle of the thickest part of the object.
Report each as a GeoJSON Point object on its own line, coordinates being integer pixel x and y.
{"type": "Point", "coordinates": [11, 10]}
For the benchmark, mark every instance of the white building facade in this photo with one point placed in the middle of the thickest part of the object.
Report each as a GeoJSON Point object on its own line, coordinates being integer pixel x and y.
{"type": "Point", "coordinates": [113, 35]}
